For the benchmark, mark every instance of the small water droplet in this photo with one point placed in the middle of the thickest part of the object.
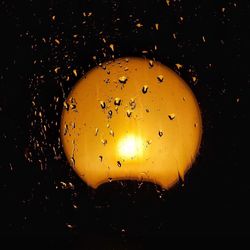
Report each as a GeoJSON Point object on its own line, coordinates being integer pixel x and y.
{"type": "Point", "coordinates": [96, 131]}
{"type": "Point", "coordinates": [126, 69]}
{"type": "Point", "coordinates": [104, 142]}
{"type": "Point", "coordinates": [132, 103]}
{"type": "Point", "coordinates": [144, 89]}
{"type": "Point", "coordinates": [75, 72]}
{"type": "Point", "coordinates": [129, 113]}
{"type": "Point", "coordinates": [110, 179]}
{"type": "Point", "coordinates": [111, 132]}
{"type": "Point", "coordinates": [126, 60]}
{"type": "Point", "coordinates": [117, 101]}
{"type": "Point", "coordinates": [112, 47]}
{"type": "Point", "coordinates": [119, 164]}
{"type": "Point", "coordinates": [149, 142]}
{"type": "Point", "coordinates": [147, 110]}
{"type": "Point", "coordinates": [103, 104]}
{"type": "Point", "coordinates": [110, 114]}
{"type": "Point", "coordinates": [123, 79]}
{"type": "Point", "coordinates": [72, 106]}
{"type": "Point", "coordinates": [70, 225]}
{"type": "Point", "coordinates": [66, 105]}
{"type": "Point", "coordinates": [160, 78]}
{"type": "Point", "coordinates": [160, 133]}
{"type": "Point", "coordinates": [151, 63]}
{"type": "Point", "coordinates": [108, 125]}
{"type": "Point", "coordinates": [73, 161]}
{"type": "Point", "coordinates": [100, 158]}
{"type": "Point", "coordinates": [65, 129]}
{"type": "Point", "coordinates": [171, 116]}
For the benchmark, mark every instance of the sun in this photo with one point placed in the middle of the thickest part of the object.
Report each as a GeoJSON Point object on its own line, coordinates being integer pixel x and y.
{"type": "Point", "coordinates": [131, 119]}
{"type": "Point", "coordinates": [130, 146]}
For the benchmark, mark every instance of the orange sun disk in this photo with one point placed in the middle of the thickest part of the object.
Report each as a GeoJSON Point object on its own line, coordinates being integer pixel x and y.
{"type": "Point", "coordinates": [131, 119]}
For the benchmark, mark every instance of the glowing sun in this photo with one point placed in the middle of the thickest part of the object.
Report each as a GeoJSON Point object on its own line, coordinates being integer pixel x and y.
{"type": "Point", "coordinates": [131, 118]}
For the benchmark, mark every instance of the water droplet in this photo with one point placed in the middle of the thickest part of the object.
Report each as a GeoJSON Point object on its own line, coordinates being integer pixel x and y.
{"type": "Point", "coordinates": [126, 60]}
{"type": "Point", "coordinates": [110, 179]}
{"type": "Point", "coordinates": [151, 63]}
{"type": "Point", "coordinates": [66, 105]}
{"type": "Point", "coordinates": [129, 113]}
{"type": "Point", "coordinates": [160, 78]}
{"type": "Point", "coordinates": [132, 103]}
{"type": "Point", "coordinates": [110, 114]}
{"type": "Point", "coordinates": [104, 142]}
{"type": "Point", "coordinates": [171, 116]}
{"type": "Point", "coordinates": [96, 131]}
{"type": "Point", "coordinates": [65, 129]}
{"type": "Point", "coordinates": [112, 47]}
{"type": "Point", "coordinates": [57, 69]}
{"type": "Point", "coordinates": [149, 142]}
{"type": "Point", "coordinates": [147, 110]}
{"type": "Point", "coordinates": [70, 226]}
{"type": "Point", "coordinates": [160, 133]}
{"type": "Point", "coordinates": [103, 104]}
{"type": "Point", "coordinates": [144, 89]}
{"type": "Point", "coordinates": [73, 161]}
{"type": "Point", "coordinates": [195, 125]}
{"type": "Point", "coordinates": [111, 132]}
{"type": "Point", "coordinates": [75, 72]}
{"type": "Point", "coordinates": [108, 125]}
{"type": "Point", "coordinates": [123, 79]}
{"type": "Point", "coordinates": [126, 69]}
{"type": "Point", "coordinates": [179, 66]}
{"type": "Point", "coordinates": [72, 106]}
{"type": "Point", "coordinates": [117, 101]}
{"type": "Point", "coordinates": [119, 164]}
{"type": "Point", "coordinates": [100, 158]}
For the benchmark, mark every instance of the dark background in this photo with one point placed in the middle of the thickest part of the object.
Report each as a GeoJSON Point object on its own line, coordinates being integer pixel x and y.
{"type": "Point", "coordinates": [42, 199]}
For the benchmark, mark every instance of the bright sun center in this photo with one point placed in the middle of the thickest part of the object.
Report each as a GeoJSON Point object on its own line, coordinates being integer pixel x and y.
{"type": "Point", "coordinates": [130, 146]}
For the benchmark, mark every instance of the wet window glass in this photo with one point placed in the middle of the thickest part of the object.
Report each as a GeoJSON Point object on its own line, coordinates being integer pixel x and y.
{"type": "Point", "coordinates": [123, 120]}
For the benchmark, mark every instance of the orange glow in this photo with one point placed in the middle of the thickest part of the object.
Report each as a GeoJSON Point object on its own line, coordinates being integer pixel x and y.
{"type": "Point", "coordinates": [131, 119]}
{"type": "Point", "coordinates": [130, 146]}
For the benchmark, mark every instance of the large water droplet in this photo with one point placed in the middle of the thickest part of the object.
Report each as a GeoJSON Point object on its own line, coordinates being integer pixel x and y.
{"type": "Point", "coordinates": [144, 89]}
